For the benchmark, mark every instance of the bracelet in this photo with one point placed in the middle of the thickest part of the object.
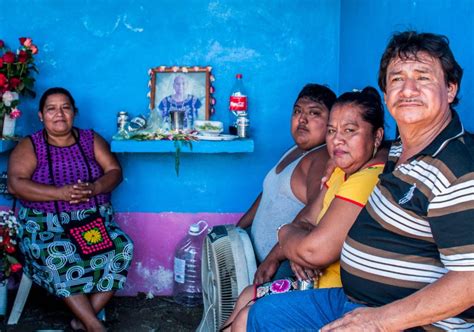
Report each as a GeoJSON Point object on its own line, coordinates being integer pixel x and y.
{"type": "Point", "coordinates": [278, 230]}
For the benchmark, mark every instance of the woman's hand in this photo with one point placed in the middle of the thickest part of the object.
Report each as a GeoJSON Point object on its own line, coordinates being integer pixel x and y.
{"type": "Point", "coordinates": [303, 273]}
{"type": "Point", "coordinates": [78, 192]}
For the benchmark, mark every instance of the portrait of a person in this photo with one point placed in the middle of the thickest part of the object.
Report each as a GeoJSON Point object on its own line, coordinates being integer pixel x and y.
{"type": "Point", "coordinates": [180, 101]}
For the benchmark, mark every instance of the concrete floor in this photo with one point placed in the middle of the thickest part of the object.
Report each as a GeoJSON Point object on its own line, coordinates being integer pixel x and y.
{"type": "Point", "coordinates": [136, 314]}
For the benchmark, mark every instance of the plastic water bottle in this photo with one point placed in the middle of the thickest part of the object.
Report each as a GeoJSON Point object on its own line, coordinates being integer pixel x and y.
{"type": "Point", "coordinates": [187, 267]}
{"type": "Point", "coordinates": [237, 104]}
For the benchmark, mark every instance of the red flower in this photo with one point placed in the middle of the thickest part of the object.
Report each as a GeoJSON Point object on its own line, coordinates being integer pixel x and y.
{"type": "Point", "coordinates": [26, 41]}
{"type": "Point", "coordinates": [22, 56]}
{"type": "Point", "coordinates": [2, 44]}
{"type": "Point", "coordinates": [3, 80]}
{"type": "Point", "coordinates": [1, 62]}
{"type": "Point", "coordinates": [16, 267]}
{"type": "Point", "coordinates": [9, 57]}
{"type": "Point", "coordinates": [14, 83]}
{"type": "Point", "coordinates": [9, 248]}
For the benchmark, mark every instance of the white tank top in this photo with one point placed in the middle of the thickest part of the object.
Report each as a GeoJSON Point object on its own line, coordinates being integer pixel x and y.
{"type": "Point", "coordinates": [278, 205]}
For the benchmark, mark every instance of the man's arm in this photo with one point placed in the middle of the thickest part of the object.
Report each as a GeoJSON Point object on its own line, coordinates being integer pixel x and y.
{"type": "Point", "coordinates": [322, 246]}
{"type": "Point", "coordinates": [447, 297]}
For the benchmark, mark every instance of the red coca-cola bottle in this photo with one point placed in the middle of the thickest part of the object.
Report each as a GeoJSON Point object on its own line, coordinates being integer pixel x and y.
{"type": "Point", "coordinates": [237, 104]}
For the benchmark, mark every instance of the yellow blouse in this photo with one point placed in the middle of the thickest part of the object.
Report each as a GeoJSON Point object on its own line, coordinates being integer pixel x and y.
{"type": "Point", "coordinates": [355, 189]}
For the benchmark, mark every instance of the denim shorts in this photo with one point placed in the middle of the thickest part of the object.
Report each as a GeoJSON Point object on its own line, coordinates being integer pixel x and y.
{"type": "Point", "coordinates": [307, 310]}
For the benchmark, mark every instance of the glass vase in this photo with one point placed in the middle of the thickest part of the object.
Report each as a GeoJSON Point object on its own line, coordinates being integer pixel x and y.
{"type": "Point", "coordinates": [8, 126]}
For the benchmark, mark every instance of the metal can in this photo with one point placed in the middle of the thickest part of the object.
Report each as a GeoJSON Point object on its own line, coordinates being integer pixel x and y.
{"type": "Point", "coordinates": [242, 126]}
{"type": "Point", "coordinates": [305, 284]}
{"type": "Point", "coordinates": [122, 120]}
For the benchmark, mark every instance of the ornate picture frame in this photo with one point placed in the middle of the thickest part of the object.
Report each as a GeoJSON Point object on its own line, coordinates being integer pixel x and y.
{"type": "Point", "coordinates": [186, 89]}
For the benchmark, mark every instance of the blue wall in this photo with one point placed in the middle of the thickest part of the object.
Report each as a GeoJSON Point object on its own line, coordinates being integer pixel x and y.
{"type": "Point", "coordinates": [366, 26]}
{"type": "Point", "coordinates": [102, 50]}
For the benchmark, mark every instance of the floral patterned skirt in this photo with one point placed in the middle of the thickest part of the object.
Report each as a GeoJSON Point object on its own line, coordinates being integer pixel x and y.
{"type": "Point", "coordinates": [52, 260]}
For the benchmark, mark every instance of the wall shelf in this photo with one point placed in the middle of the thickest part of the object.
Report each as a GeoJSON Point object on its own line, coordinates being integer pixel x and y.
{"type": "Point", "coordinates": [7, 145]}
{"type": "Point", "coordinates": [163, 146]}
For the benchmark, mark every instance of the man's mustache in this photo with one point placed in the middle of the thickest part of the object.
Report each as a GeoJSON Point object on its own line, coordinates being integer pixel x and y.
{"type": "Point", "coordinates": [408, 101]}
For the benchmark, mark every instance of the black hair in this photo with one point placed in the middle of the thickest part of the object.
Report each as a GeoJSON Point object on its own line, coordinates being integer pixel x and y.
{"type": "Point", "coordinates": [318, 93]}
{"type": "Point", "coordinates": [408, 44]}
{"type": "Point", "coordinates": [54, 91]}
{"type": "Point", "coordinates": [369, 101]}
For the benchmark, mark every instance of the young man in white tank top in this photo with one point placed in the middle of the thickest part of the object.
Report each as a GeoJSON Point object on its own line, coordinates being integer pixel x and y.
{"type": "Point", "coordinates": [295, 177]}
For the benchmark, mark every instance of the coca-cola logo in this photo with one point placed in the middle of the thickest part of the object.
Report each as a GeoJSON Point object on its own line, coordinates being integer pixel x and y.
{"type": "Point", "coordinates": [238, 103]}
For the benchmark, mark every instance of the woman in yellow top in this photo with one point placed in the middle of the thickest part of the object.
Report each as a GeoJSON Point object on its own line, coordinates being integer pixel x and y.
{"type": "Point", "coordinates": [354, 133]}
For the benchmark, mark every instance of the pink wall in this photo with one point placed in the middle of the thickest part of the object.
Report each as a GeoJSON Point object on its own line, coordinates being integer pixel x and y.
{"type": "Point", "coordinates": [155, 237]}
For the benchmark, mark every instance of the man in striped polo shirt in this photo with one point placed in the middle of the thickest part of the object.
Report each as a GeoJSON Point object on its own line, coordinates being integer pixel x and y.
{"type": "Point", "coordinates": [408, 261]}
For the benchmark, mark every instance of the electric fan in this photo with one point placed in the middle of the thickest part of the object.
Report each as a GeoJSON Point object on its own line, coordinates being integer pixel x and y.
{"type": "Point", "coordinates": [228, 266]}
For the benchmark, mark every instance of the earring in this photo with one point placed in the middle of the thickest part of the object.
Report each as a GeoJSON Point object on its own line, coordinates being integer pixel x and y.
{"type": "Point", "coordinates": [375, 151]}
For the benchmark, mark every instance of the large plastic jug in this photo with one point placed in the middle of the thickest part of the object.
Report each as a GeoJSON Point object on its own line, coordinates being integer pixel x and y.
{"type": "Point", "coordinates": [187, 266]}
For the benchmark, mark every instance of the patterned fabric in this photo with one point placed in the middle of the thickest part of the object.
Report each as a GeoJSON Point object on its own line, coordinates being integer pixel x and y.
{"type": "Point", "coordinates": [68, 167]}
{"type": "Point", "coordinates": [189, 106]}
{"type": "Point", "coordinates": [90, 236]}
{"type": "Point", "coordinates": [417, 225]}
{"type": "Point", "coordinates": [52, 260]}
{"type": "Point", "coordinates": [275, 287]}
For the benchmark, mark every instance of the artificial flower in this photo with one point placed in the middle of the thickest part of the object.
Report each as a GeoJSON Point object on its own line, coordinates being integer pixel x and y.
{"type": "Point", "coordinates": [16, 267]}
{"type": "Point", "coordinates": [34, 49]}
{"type": "Point", "coordinates": [15, 114]}
{"type": "Point", "coordinates": [27, 42]}
{"type": "Point", "coordinates": [9, 248]}
{"type": "Point", "coordinates": [16, 78]}
{"type": "Point", "coordinates": [8, 231]}
{"type": "Point", "coordinates": [9, 57]}
{"type": "Point", "coordinates": [14, 83]}
{"type": "Point", "coordinates": [9, 97]}
{"type": "Point", "coordinates": [3, 80]}
{"type": "Point", "coordinates": [22, 56]}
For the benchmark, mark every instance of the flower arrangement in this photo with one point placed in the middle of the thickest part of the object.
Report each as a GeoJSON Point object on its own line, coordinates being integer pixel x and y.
{"type": "Point", "coordinates": [16, 75]}
{"type": "Point", "coordinates": [179, 138]}
{"type": "Point", "coordinates": [8, 232]}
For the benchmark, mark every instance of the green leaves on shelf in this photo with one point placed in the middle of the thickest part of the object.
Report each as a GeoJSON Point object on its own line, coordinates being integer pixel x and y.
{"type": "Point", "coordinates": [179, 138]}
{"type": "Point", "coordinates": [177, 145]}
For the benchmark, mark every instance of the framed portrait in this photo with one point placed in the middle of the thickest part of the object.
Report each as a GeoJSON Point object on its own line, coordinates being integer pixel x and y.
{"type": "Point", "coordinates": [182, 89]}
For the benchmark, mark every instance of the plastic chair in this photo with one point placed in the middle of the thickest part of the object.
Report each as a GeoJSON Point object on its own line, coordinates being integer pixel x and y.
{"type": "Point", "coordinates": [21, 297]}
{"type": "Point", "coordinates": [20, 300]}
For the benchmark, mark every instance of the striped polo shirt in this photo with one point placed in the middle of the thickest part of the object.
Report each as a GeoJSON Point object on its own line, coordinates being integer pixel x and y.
{"type": "Point", "coordinates": [418, 224]}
